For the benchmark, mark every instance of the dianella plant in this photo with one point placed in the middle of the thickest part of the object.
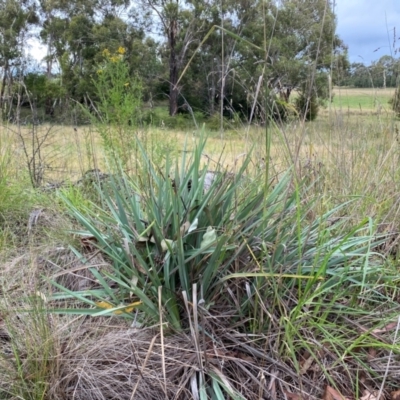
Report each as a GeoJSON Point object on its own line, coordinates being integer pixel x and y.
{"type": "Point", "coordinates": [195, 233]}
{"type": "Point", "coordinates": [193, 247]}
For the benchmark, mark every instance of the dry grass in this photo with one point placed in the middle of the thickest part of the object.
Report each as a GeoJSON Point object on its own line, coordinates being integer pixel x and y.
{"type": "Point", "coordinates": [368, 92]}
{"type": "Point", "coordinates": [349, 155]}
{"type": "Point", "coordinates": [70, 152]}
{"type": "Point", "coordinates": [46, 356]}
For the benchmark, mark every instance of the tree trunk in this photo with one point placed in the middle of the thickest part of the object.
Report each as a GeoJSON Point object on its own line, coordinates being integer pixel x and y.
{"type": "Point", "coordinates": [3, 83]}
{"type": "Point", "coordinates": [384, 78]}
{"type": "Point", "coordinates": [3, 88]}
{"type": "Point", "coordinates": [212, 92]}
{"type": "Point", "coordinates": [173, 69]}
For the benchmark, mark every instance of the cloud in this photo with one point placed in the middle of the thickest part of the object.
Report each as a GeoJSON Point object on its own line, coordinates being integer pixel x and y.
{"type": "Point", "coordinates": [368, 27]}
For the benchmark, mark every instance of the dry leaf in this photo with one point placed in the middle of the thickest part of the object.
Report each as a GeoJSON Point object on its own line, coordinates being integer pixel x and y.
{"type": "Point", "coordinates": [306, 365]}
{"type": "Point", "coordinates": [333, 394]}
{"type": "Point", "coordinates": [304, 356]}
{"type": "Point", "coordinates": [369, 396]}
{"type": "Point", "coordinates": [167, 244]}
{"type": "Point", "coordinates": [194, 225]}
{"type": "Point", "coordinates": [293, 396]}
{"type": "Point", "coordinates": [327, 394]}
{"type": "Point", "coordinates": [149, 238]}
{"type": "Point", "coordinates": [89, 242]}
{"type": "Point", "coordinates": [371, 354]}
{"type": "Point", "coordinates": [184, 228]}
{"type": "Point", "coordinates": [395, 395]}
{"type": "Point", "coordinates": [387, 328]}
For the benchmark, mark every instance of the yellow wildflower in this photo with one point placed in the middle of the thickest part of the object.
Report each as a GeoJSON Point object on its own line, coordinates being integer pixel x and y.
{"type": "Point", "coordinates": [121, 50]}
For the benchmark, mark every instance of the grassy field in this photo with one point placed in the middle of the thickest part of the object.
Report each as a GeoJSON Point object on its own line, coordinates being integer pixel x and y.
{"type": "Point", "coordinates": [362, 100]}
{"type": "Point", "coordinates": [262, 286]}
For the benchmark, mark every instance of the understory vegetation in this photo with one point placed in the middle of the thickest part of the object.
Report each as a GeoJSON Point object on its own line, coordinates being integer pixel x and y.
{"type": "Point", "coordinates": [198, 270]}
{"type": "Point", "coordinates": [246, 248]}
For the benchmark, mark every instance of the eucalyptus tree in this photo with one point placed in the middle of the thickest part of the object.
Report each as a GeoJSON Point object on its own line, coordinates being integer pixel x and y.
{"type": "Point", "coordinates": [80, 34]}
{"type": "Point", "coordinates": [385, 71]}
{"type": "Point", "coordinates": [16, 18]}
{"type": "Point", "coordinates": [182, 24]}
{"type": "Point", "coordinates": [303, 48]}
{"type": "Point", "coordinates": [261, 46]}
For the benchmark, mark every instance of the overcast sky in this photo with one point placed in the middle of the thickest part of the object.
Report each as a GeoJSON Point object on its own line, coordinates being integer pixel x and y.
{"type": "Point", "coordinates": [368, 25]}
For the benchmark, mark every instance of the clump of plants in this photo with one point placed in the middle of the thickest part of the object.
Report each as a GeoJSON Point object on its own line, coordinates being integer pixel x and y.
{"type": "Point", "coordinates": [231, 268]}
{"type": "Point", "coordinates": [278, 109]}
{"type": "Point", "coordinates": [395, 101]}
{"type": "Point", "coordinates": [159, 117]}
{"type": "Point", "coordinates": [307, 105]}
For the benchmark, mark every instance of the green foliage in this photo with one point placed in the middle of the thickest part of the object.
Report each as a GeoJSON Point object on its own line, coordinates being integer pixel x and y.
{"type": "Point", "coordinates": [195, 227]}
{"type": "Point", "coordinates": [118, 106]}
{"type": "Point", "coordinates": [292, 47]}
{"type": "Point", "coordinates": [213, 123]}
{"type": "Point", "coordinates": [15, 200]}
{"type": "Point", "coordinates": [307, 106]}
{"type": "Point", "coordinates": [340, 68]}
{"type": "Point", "coordinates": [296, 34]}
{"type": "Point", "coordinates": [76, 35]}
{"type": "Point", "coordinates": [42, 92]}
{"type": "Point", "coordinates": [379, 74]}
{"type": "Point", "coordinates": [185, 235]}
{"type": "Point", "coordinates": [159, 117]}
{"type": "Point", "coordinates": [15, 19]}
{"type": "Point", "coordinates": [277, 108]}
{"type": "Point", "coordinates": [33, 350]}
{"type": "Point", "coordinates": [83, 196]}
{"type": "Point", "coordinates": [119, 94]}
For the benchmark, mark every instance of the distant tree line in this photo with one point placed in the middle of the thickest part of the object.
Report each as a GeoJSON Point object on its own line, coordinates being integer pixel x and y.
{"type": "Point", "coordinates": [248, 57]}
{"type": "Point", "coordinates": [380, 74]}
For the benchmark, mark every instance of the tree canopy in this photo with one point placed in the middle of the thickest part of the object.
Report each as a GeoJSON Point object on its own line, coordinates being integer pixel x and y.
{"type": "Point", "coordinates": [230, 57]}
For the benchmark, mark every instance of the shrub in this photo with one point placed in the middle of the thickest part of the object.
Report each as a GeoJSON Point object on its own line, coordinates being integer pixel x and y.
{"type": "Point", "coordinates": [159, 117]}
{"type": "Point", "coordinates": [213, 123]}
{"type": "Point", "coordinates": [307, 106]}
{"type": "Point", "coordinates": [117, 111]}
{"type": "Point", "coordinates": [279, 110]}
